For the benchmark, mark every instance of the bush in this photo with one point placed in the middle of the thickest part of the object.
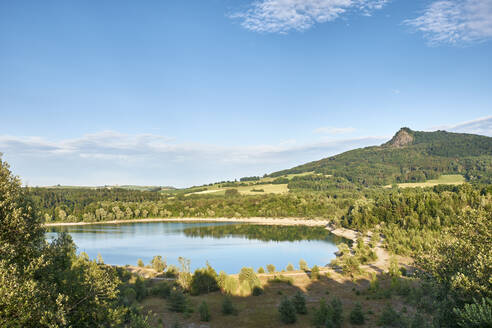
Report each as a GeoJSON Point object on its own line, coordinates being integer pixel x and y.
{"type": "Point", "coordinates": [287, 311]}
{"type": "Point", "coordinates": [261, 270]}
{"type": "Point", "coordinates": [389, 317]}
{"type": "Point", "coordinates": [162, 289]}
{"type": "Point", "coordinates": [418, 321]}
{"type": "Point", "coordinates": [140, 289]}
{"type": "Point", "coordinates": [257, 291]}
{"type": "Point", "coordinates": [230, 193]}
{"type": "Point", "coordinates": [244, 288]}
{"type": "Point", "coordinates": [281, 279]}
{"type": "Point", "coordinates": [231, 285]}
{"type": "Point", "coordinates": [315, 273]}
{"type": "Point", "coordinates": [247, 274]}
{"type": "Point", "coordinates": [128, 295]}
{"type": "Point", "coordinates": [158, 264]}
{"type": "Point", "coordinates": [322, 314]}
{"type": "Point", "coordinates": [140, 263]}
{"type": "Point", "coordinates": [177, 301]}
{"type": "Point", "coordinates": [356, 315]}
{"type": "Point", "coordinates": [290, 267]}
{"type": "Point", "coordinates": [227, 307]}
{"type": "Point", "coordinates": [271, 268]}
{"type": "Point", "coordinates": [204, 312]}
{"type": "Point", "coordinates": [475, 315]}
{"type": "Point", "coordinates": [204, 281]}
{"type": "Point", "coordinates": [221, 280]}
{"type": "Point", "coordinates": [337, 312]}
{"type": "Point", "coordinates": [299, 302]}
{"type": "Point", "coordinates": [303, 265]}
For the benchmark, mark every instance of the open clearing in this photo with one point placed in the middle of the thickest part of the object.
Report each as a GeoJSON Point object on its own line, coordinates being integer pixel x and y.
{"type": "Point", "coordinates": [262, 311]}
{"type": "Point", "coordinates": [248, 190]}
{"type": "Point", "coordinates": [451, 179]}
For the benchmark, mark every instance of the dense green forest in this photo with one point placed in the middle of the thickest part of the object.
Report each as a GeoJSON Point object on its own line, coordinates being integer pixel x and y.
{"type": "Point", "coordinates": [411, 156]}
{"type": "Point", "coordinates": [411, 218]}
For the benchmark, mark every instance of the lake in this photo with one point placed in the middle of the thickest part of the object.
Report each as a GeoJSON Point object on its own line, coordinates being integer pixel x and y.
{"type": "Point", "coordinates": [226, 246]}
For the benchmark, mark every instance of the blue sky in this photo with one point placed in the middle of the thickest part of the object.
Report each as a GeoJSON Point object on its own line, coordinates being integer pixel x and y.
{"type": "Point", "coordinates": [189, 92]}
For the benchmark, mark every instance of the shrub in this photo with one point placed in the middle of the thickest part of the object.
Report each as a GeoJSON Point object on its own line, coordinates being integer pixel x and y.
{"type": "Point", "coordinates": [177, 301]}
{"type": "Point", "coordinates": [281, 279]}
{"type": "Point", "coordinates": [261, 270]}
{"type": "Point", "coordinates": [315, 273]}
{"type": "Point", "coordinates": [140, 263]}
{"type": "Point", "coordinates": [227, 307]}
{"type": "Point", "coordinates": [248, 275]}
{"type": "Point", "coordinates": [322, 314]}
{"type": "Point", "coordinates": [129, 295]}
{"type": "Point", "coordinates": [287, 311]}
{"type": "Point", "coordinates": [244, 288]}
{"type": "Point", "coordinates": [337, 312]}
{"type": "Point", "coordinates": [271, 268]}
{"type": "Point", "coordinates": [299, 302]}
{"type": "Point", "coordinates": [290, 267]}
{"type": "Point", "coordinates": [418, 321]}
{"type": "Point", "coordinates": [476, 315]}
{"type": "Point", "coordinates": [257, 291]}
{"type": "Point", "coordinates": [231, 285]}
{"type": "Point", "coordinates": [389, 317]}
{"type": "Point", "coordinates": [356, 315]}
{"type": "Point", "coordinates": [162, 289]}
{"type": "Point", "coordinates": [374, 283]}
{"type": "Point", "coordinates": [204, 281]}
{"type": "Point", "coordinates": [303, 265]}
{"type": "Point", "coordinates": [204, 312]}
{"type": "Point", "coordinates": [230, 193]}
{"type": "Point", "coordinates": [140, 289]}
{"type": "Point", "coordinates": [350, 264]}
{"type": "Point", "coordinates": [221, 280]}
{"type": "Point", "coordinates": [158, 264]}
{"type": "Point", "coordinates": [172, 271]}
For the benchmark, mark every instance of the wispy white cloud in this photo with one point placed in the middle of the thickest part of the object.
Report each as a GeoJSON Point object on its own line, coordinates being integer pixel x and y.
{"type": "Point", "coordinates": [455, 22]}
{"type": "Point", "coordinates": [333, 130]}
{"type": "Point", "coordinates": [282, 16]}
{"type": "Point", "coordinates": [481, 126]}
{"type": "Point", "coordinates": [115, 158]}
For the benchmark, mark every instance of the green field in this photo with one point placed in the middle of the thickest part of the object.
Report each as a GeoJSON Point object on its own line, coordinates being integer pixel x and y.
{"type": "Point", "coordinates": [247, 190]}
{"type": "Point", "coordinates": [451, 179]}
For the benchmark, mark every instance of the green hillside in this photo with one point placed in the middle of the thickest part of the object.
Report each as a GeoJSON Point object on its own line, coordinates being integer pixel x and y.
{"type": "Point", "coordinates": [410, 156]}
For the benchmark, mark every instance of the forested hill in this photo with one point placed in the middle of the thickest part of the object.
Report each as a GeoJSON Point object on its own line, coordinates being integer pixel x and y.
{"type": "Point", "coordinates": [410, 156]}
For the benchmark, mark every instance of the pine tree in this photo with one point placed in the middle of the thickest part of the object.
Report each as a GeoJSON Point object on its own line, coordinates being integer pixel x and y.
{"type": "Point", "coordinates": [204, 312]}
{"type": "Point", "coordinates": [299, 302]}
{"type": "Point", "coordinates": [356, 315]}
{"type": "Point", "coordinates": [287, 311]}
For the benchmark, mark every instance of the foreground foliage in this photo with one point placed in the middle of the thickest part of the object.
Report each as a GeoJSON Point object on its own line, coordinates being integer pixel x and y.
{"type": "Point", "coordinates": [48, 285]}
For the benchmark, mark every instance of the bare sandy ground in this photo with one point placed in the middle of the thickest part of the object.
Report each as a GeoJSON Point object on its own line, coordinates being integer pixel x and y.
{"type": "Point", "coordinates": [255, 220]}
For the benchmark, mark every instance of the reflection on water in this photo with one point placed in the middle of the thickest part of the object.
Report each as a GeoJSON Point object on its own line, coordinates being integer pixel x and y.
{"type": "Point", "coordinates": [227, 246]}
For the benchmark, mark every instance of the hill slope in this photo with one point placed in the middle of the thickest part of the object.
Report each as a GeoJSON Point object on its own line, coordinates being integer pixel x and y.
{"type": "Point", "coordinates": [410, 156]}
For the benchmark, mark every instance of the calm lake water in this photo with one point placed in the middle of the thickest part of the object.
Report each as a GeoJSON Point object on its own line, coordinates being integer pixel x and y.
{"type": "Point", "coordinates": [225, 246]}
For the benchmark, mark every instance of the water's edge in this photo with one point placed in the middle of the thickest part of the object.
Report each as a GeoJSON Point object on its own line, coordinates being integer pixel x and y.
{"type": "Point", "coordinates": [341, 232]}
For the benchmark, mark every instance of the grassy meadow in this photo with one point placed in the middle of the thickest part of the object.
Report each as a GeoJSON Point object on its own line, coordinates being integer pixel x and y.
{"type": "Point", "coordinates": [450, 179]}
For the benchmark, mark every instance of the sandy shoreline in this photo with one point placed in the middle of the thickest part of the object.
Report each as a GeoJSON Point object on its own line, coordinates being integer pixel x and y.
{"type": "Point", "coordinates": [346, 233]}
